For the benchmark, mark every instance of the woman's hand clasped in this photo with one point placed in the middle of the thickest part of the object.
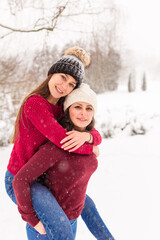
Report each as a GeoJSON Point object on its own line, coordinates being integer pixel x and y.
{"type": "Point", "coordinates": [74, 140]}
{"type": "Point", "coordinates": [40, 228]}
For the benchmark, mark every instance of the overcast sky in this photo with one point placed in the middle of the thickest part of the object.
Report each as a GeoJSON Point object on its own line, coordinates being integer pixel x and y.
{"type": "Point", "coordinates": [141, 20]}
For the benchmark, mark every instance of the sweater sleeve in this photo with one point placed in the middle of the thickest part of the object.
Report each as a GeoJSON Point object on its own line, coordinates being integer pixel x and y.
{"type": "Point", "coordinates": [39, 112]}
{"type": "Point", "coordinates": [97, 139]}
{"type": "Point", "coordinates": [35, 167]}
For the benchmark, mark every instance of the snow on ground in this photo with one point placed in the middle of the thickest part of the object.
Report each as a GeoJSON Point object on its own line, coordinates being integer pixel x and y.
{"type": "Point", "coordinates": [125, 187]}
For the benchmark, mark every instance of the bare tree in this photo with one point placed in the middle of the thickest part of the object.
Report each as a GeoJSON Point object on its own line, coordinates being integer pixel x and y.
{"type": "Point", "coordinates": [106, 60]}
{"type": "Point", "coordinates": [131, 82]}
{"type": "Point", "coordinates": [144, 83]}
{"type": "Point", "coordinates": [42, 61]}
{"type": "Point", "coordinates": [49, 14]}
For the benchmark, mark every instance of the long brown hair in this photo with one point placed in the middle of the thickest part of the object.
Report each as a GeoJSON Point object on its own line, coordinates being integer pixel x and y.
{"type": "Point", "coordinates": [43, 91]}
{"type": "Point", "coordinates": [66, 122]}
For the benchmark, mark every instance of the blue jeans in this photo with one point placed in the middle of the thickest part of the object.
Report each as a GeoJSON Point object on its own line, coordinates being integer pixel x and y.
{"type": "Point", "coordinates": [94, 222]}
{"type": "Point", "coordinates": [54, 219]}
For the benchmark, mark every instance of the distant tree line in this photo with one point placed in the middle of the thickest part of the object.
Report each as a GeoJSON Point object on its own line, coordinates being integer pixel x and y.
{"type": "Point", "coordinates": [18, 77]}
{"type": "Point", "coordinates": [132, 82]}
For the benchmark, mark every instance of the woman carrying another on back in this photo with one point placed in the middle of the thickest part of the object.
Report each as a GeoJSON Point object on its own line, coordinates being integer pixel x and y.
{"type": "Point", "coordinates": [66, 176]}
{"type": "Point", "coordinates": [36, 120]}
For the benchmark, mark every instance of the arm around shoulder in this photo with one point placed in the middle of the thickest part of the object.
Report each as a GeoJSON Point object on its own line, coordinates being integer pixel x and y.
{"type": "Point", "coordinates": [40, 113]}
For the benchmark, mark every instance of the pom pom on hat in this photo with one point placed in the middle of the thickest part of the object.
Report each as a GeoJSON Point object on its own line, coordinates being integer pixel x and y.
{"type": "Point", "coordinates": [72, 63]}
{"type": "Point", "coordinates": [80, 53]}
{"type": "Point", "coordinates": [82, 94]}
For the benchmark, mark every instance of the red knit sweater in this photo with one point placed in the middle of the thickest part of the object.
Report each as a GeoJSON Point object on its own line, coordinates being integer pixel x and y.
{"type": "Point", "coordinates": [66, 175]}
{"type": "Point", "coordinates": [36, 126]}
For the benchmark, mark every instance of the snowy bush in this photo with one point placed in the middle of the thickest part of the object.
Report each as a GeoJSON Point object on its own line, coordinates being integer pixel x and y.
{"type": "Point", "coordinates": [5, 132]}
{"type": "Point", "coordinates": [124, 122]}
{"type": "Point", "coordinates": [7, 113]}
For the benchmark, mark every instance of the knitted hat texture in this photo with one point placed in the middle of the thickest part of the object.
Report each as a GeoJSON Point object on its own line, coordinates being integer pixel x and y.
{"type": "Point", "coordinates": [73, 62]}
{"type": "Point", "coordinates": [70, 65]}
{"type": "Point", "coordinates": [81, 94]}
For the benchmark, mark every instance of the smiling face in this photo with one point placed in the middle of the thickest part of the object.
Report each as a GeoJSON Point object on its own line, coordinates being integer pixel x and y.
{"type": "Point", "coordinates": [81, 114]}
{"type": "Point", "coordinates": [60, 85]}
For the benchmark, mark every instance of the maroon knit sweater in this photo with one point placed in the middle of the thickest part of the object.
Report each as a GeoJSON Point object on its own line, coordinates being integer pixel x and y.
{"type": "Point", "coordinates": [37, 126]}
{"type": "Point", "coordinates": [66, 175]}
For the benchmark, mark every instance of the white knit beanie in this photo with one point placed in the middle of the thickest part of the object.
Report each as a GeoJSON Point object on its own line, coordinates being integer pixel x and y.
{"type": "Point", "coordinates": [81, 94]}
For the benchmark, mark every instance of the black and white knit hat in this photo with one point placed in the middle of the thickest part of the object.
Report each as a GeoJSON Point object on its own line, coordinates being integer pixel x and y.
{"type": "Point", "coordinates": [72, 63]}
{"type": "Point", "coordinates": [81, 94]}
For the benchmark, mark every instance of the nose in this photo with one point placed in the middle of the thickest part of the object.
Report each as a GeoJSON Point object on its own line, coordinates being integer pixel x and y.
{"type": "Point", "coordinates": [64, 85]}
{"type": "Point", "coordinates": [83, 112]}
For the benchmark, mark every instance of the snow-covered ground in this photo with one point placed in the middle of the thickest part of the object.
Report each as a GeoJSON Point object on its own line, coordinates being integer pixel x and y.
{"type": "Point", "coordinates": [126, 186]}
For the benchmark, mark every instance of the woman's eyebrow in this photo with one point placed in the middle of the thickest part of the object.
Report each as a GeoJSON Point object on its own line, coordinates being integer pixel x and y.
{"type": "Point", "coordinates": [79, 103]}
{"type": "Point", "coordinates": [89, 105]}
{"type": "Point", "coordinates": [68, 77]}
